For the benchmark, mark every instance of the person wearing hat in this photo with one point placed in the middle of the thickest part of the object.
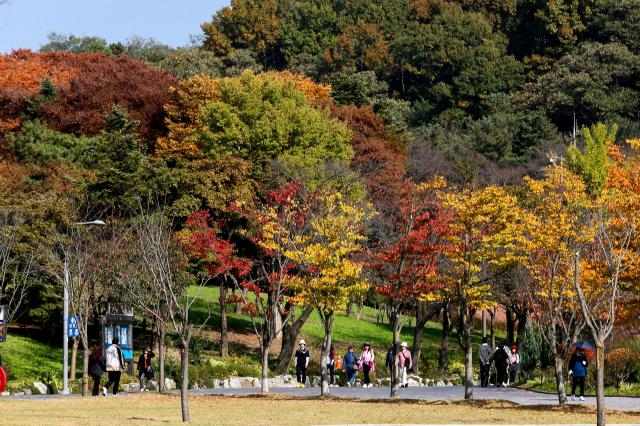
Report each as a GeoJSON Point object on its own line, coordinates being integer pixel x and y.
{"type": "Point", "coordinates": [302, 362]}
{"type": "Point", "coordinates": [405, 363]}
{"type": "Point", "coordinates": [367, 364]}
{"type": "Point", "coordinates": [145, 370]}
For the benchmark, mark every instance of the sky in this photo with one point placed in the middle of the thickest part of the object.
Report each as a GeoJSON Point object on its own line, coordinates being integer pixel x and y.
{"type": "Point", "coordinates": [26, 23]}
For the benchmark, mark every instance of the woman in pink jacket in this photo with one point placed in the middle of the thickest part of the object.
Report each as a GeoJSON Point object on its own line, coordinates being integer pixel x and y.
{"type": "Point", "coordinates": [405, 363]}
{"type": "Point", "coordinates": [367, 364]}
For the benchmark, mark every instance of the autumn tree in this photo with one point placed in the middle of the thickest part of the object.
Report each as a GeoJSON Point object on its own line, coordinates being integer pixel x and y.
{"type": "Point", "coordinates": [404, 267]}
{"type": "Point", "coordinates": [485, 231]}
{"type": "Point", "coordinates": [557, 227]}
{"type": "Point", "coordinates": [218, 257]}
{"type": "Point", "coordinates": [609, 262]}
{"type": "Point", "coordinates": [324, 251]}
{"type": "Point", "coordinates": [261, 119]}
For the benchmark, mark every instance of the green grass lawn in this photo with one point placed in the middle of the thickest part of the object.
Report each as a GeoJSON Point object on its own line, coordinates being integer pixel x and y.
{"type": "Point", "coordinates": [27, 360]}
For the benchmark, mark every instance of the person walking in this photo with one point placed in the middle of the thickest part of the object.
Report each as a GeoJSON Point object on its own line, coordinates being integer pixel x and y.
{"type": "Point", "coordinates": [388, 361]}
{"type": "Point", "coordinates": [501, 359]}
{"type": "Point", "coordinates": [578, 371]}
{"type": "Point", "coordinates": [514, 363]}
{"type": "Point", "coordinates": [115, 366]}
{"type": "Point", "coordinates": [145, 370]}
{"type": "Point", "coordinates": [484, 354]}
{"type": "Point", "coordinates": [331, 365]}
{"type": "Point", "coordinates": [302, 362]}
{"type": "Point", "coordinates": [405, 363]}
{"type": "Point", "coordinates": [96, 368]}
{"type": "Point", "coordinates": [367, 364]}
{"type": "Point", "coordinates": [350, 362]}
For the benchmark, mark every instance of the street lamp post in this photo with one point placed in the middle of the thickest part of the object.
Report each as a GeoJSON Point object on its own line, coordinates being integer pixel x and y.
{"type": "Point", "coordinates": [65, 321]}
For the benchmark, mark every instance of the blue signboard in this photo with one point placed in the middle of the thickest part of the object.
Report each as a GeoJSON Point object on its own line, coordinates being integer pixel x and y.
{"type": "Point", "coordinates": [73, 324]}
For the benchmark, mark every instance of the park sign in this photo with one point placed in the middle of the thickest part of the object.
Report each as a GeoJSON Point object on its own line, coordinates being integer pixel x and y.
{"type": "Point", "coordinates": [73, 324]}
{"type": "Point", "coordinates": [3, 323]}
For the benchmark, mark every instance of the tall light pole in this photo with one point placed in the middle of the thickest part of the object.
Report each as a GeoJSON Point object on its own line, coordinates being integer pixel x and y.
{"type": "Point", "coordinates": [65, 320]}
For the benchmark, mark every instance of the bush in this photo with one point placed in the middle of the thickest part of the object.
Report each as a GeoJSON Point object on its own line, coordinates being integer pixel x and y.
{"type": "Point", "coordinates": [621, 364]}
{"type": "Point", "coordinates": [457, 368]}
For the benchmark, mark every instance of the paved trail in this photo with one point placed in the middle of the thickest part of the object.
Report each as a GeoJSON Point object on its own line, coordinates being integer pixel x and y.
{"type": "Point", "coordinates": [447, 393]}
{"type": "Point", "coordinates": [519, 396]}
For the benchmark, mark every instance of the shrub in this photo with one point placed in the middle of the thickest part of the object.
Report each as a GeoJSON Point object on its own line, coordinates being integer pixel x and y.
{"type": "Point", "coordinates": [457, 368]}
{"type": "Point", "coordinates": [621, 364]}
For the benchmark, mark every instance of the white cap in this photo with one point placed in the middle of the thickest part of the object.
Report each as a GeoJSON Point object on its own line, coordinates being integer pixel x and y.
{"type": "Point", "coordinates": [302, 342]}
{"type": "Point", "coordinates": [404, 345]}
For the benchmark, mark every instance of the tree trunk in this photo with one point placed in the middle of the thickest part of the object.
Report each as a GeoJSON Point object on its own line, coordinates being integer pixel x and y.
{"type": "Point", "coordinates": [74, 357]}
{"type": "Point", "coordinates": [424, 312]}
{"type": "Point", "coordinates": [600, 409]}
{"type": "Point", "coordinates": [510, 326]}
{"type": "Point", "coordinates": [224, 339]}
{"type": "Point", "coordinates": [327, 322]}
{"type": "Point", "coordinates": [184, 381]}
{"type": "Point", "coordinates": [290, 332]}
{"type": "Point", "coordinates": [562, 394]}
{"type": "Point", "coordinates": [85, 370]}
{"type": "Point", "coordinates": [493, 328]}
{"type": "Point", "coordinates": [161, 354]}
{"type": "Point", "coordinates": [264, 383]}
{"type": "Point", "coordinates": [443, 360]}
{"type": "Point", "coordinates": [465, 325]}
{"type": "Point", "coordinates": [522, 317]}
{"type": "Point", "coordinates": [349, 307]}
{"type": "Point", "coordinates": [395, 326]}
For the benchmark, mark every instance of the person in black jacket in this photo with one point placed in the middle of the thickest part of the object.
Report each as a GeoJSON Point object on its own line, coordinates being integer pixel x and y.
{"type": "Point", "coordinates": [501, 360]}
{"type": "Point", "coordinates": [302, 363]}
{"type": "Point", "coordinates": [96, 368]}
{"type": "Point", "coordinates": [145, 370]}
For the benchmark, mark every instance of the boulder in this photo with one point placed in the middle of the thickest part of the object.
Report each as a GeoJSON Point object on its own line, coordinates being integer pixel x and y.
{"type": "Point", "coordinates": [153, 385]}
{"type": "Point", "coordinates": [385, 381]}
{"type": "Point", "coordinates": [195, 386]}
{"type": "Point", "coordinates": [19, 393]}
{"type": "Point", "coordinates": [39, 388]}
{"type": "Point", "coordinates": [288, 379]}
{"type": "Point", "coordinates": [234, 383]}
{"type": "Point", "coordinates": [27, 391]}
{"type": "Point", "coordinates": [5, 393]}
{"type": "Point", "coordinates": [449, 384]}
{"type": "Point", "coordinates": [413, 382]}
{"type": "Point", "coordinates": [315, 382]}
{"type": "Point", "coordinates": [428, 382]}
{"type": "Point", "coordinates": [255, 383]}
{"type": "Point", "coordinates": [169, 384]}
{"type": "Point", "coordinates": [440, 383]}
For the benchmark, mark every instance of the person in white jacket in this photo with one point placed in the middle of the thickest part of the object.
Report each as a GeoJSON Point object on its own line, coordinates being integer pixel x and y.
{"type": "Point", "coordinates": [115, 366]}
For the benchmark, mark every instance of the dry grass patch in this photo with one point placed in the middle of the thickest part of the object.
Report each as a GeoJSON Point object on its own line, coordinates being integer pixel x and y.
{"type": "Point", "coordinates": [282, 410]}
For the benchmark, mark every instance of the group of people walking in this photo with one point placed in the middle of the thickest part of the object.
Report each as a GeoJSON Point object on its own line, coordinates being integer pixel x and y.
{"type": "Point", "coordinates": [352, 363]}
{"type": "Point", "coordinates": [506, 360]}
{"type": "Point", "coordinates": [113, 364]}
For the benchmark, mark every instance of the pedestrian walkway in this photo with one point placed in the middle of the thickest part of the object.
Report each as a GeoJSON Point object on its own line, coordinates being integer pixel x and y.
{"type": "Point", "coordinates": [435, 393]}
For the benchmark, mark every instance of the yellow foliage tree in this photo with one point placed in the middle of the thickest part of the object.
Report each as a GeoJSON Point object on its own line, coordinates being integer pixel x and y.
{"type": "Point", "coordinates": [324, 250]}
{"type": "Point", "coordinates": [486, 235]}
{"type": "Point", "coordinates": [557, 226]}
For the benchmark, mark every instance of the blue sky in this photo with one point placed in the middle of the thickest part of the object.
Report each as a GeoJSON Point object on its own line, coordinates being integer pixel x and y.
{"type": "Point", "coordinates": [26, 23]}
